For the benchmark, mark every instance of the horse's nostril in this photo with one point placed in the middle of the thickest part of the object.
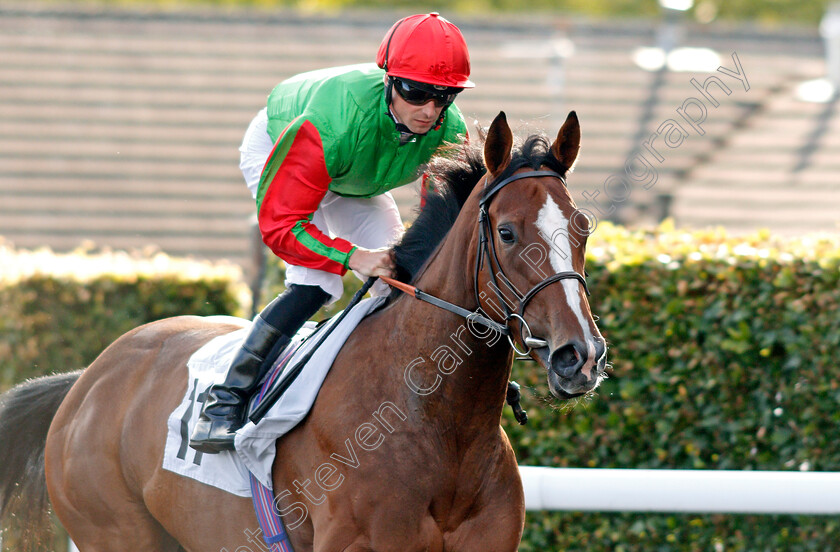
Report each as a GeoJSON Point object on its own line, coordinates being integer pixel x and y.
{"type": "Point", "coordinates": [600, 350]}
{"type": "Point", "coordinates": [566, 360]}
{"type": "Point", "coordinates": [566, 355]}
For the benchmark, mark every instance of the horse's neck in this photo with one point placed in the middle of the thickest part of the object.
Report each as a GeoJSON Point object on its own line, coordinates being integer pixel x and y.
{"type": "Point", "coordinates": [473, 394]}
{"type": "Point", "coordinates": [449, 274]}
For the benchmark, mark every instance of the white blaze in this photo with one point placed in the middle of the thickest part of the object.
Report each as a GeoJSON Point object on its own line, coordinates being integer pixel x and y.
{"type": "Point", "coordinates": [554, 228]}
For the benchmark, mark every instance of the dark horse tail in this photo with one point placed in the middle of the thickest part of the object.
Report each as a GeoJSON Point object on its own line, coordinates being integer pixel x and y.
{"type": "Point", "coordinates": [26, 412]}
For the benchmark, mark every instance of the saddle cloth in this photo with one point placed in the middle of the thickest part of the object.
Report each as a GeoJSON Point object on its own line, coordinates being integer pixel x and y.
{"type": "Point", "coordinates": [255, 444]}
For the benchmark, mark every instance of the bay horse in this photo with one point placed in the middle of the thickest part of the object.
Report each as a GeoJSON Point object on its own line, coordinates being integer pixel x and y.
{"type": "Point", "coordinates": [402, 450]}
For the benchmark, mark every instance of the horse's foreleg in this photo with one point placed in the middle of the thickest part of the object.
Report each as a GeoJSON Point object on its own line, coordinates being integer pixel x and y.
{"type": "Point", "coordinates": [497, 528]}
{"type": "Point", "coordinates": [497, 525]}
{"type": "Point", "coordinates": [358, 547]}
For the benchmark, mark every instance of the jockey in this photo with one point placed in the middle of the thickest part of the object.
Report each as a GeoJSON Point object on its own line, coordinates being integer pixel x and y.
{"type": "Point", "coordinates": [320, 160]}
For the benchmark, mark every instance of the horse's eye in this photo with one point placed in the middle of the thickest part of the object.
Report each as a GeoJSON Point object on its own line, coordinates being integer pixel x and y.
{"type": "Point", "coordinates": [507, 234]}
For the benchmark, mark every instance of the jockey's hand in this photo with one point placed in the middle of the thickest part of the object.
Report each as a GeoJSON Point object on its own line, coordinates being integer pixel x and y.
{"type": "Point", "coordinates": [373, 262]}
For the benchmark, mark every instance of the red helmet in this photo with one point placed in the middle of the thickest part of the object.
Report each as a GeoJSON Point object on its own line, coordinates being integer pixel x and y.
{"type": "Point", "coordinates": [426, 48]}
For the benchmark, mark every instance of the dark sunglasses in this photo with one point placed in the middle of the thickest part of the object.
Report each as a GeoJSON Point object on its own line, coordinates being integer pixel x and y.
{"type": "Point", "coordinates": [415, 95]}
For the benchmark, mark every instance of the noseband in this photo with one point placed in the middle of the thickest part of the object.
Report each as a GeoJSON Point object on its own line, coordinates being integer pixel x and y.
{"type": "Point", "coordinates": [487, 248]}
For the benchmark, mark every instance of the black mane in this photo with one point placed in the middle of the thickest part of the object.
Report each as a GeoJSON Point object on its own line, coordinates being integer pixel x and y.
{"type": "Point", "coordinates": [454, 181]}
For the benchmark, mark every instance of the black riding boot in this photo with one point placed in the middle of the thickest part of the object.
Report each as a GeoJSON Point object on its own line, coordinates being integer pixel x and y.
{"type": "Point", "coordinates": [226, 405]}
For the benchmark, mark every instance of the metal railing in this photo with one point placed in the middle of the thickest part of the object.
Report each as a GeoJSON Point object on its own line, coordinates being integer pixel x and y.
{"type": "Point", "coordinates": [681, 491]}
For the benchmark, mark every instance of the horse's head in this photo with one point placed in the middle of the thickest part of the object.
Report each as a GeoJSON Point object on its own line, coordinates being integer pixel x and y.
{"type": "Point", "coordinates": [531, 269]}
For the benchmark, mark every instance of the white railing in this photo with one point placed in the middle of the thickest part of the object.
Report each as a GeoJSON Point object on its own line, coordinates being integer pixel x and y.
{"type": "Point", "coordinates": [695, 491]}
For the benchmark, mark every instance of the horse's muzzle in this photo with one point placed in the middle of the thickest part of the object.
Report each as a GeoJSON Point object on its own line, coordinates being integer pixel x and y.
{"type": "Point", "coordinates": [576, 368]}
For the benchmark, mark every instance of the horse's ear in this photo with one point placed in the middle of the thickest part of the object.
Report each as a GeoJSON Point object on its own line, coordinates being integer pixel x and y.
{"type": "Point", "coordinates": [567, 145]}
{"type": "Point", "coordinates": [498, 144]}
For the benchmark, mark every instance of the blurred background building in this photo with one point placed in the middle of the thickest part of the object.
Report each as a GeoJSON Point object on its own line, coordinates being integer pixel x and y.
{"type": "Point", "coordinates": [122, 126]}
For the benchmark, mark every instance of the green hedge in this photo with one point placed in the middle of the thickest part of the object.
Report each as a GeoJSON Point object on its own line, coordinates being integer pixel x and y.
{"type": "Point", "coordinates": [58, 312]}
{"type": "Point", "coordinates": [724, 356]}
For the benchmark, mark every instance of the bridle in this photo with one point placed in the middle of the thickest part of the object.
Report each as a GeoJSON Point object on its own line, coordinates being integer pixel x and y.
{"type": "Point", "coordinates": [486, 248]}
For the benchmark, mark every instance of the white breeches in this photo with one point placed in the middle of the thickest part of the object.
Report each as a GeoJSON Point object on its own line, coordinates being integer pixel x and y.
{"type": "Point", "coordinates": [367, 222]}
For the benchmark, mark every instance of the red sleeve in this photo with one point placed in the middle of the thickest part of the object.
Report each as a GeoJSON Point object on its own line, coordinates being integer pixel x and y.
{"type": "Point", "coordinates": [293, 183]}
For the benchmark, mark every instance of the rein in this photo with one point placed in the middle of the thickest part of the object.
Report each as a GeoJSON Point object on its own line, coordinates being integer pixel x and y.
{"type": "Point", "coordinates": [417, 293]}
{"type": "Point", "coordinates": [487, 248]}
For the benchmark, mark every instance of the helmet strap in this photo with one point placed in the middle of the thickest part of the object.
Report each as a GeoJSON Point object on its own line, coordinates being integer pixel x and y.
{"type": "Point", "coordinates": [388, 46]}
{"type": "Point", "coordinates": [406, 135]}
{"type": "Point", "coordinates": [389, 89]}
{"type": "Point", "coordinates": [440, 119]}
